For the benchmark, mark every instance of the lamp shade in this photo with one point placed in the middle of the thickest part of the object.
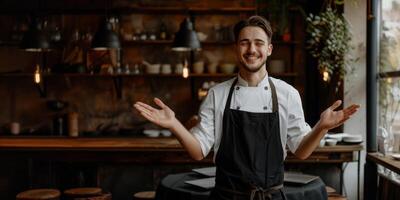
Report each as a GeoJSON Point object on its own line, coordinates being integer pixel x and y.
{"type": "Point", "coordinates": [186, 38]}
{"type": "Point", "coordinates": [105, 37]}
{"type": "Point", "coordinates": [35, 39]}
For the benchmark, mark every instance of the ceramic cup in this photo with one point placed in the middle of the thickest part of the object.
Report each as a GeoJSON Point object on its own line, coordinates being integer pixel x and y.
{"type": "Point", "coordinates": [322, 143]}
{"type": "Point", "coordinates": [331, 142]}
{"type": "Point", "coordinates": [15, 128]}
{"type": "Point", "coordinates": [153, 69]}
{"type": "Point", "coordinates": [212, 68]}
{"type": "Point", "coordinates": [166, 69]}
{"type": "Point", "coordinates": [179, 68]}
{"type": "Point", "coordinates": [198, 67]}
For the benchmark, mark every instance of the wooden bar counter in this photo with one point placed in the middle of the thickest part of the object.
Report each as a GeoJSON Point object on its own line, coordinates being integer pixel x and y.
{"type": "Point", "coordinates": [138, 149]}
{"type": "Point", "coordinates": [143, 150]}
{"type": "Point", "coordinates": [90, 144]}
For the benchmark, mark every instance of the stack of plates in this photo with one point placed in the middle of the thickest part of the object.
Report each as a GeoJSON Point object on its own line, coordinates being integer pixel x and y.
{"type": "Point", "coordinates": [353, 139]}
{"type": "Point", "coordinates": [396, 156]}
{"type": "Point", "coordinates": [336, 136]}
{"type": "Point", "coordinates": [345, 137]}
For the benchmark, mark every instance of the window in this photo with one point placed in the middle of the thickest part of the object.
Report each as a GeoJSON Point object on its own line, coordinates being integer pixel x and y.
{"type": "Point", "coordinates": [389, 71]}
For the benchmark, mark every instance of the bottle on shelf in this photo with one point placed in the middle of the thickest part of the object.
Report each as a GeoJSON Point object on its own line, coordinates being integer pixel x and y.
{"type": "Point", "coordinates": [163, 31]}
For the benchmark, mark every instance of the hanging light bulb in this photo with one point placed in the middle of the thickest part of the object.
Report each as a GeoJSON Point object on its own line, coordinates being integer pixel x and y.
{"type": "Point", "coordinates": [325, 76]}
{"type": "Point", "coordinates": [185, 72]}
{"type": "Point", "coordinates": [37, 75]}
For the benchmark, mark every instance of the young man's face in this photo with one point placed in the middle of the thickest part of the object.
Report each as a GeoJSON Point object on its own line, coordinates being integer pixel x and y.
{"type": "Point", "coordinates": [253, 48]}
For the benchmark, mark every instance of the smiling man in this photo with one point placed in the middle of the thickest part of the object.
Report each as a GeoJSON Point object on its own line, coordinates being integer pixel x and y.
{"type": "Point", "coordinates": [248, 121]}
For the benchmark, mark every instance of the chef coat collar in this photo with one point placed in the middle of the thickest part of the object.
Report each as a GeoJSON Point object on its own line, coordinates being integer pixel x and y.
{"type": "Point", "coordinates": [244, 83]}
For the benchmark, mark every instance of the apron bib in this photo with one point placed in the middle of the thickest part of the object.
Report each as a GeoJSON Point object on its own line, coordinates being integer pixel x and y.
{"type": "Point", "coordinates": [250, 157]}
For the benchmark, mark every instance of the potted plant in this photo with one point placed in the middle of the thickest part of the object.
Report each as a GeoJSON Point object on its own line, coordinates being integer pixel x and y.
{"type": "Point", "coordinates": [278, 12]}
{"type": "Point", "coordinates": [329, 42]}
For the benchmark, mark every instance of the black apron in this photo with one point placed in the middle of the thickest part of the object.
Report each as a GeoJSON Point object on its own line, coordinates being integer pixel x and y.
{"type": "Point", "coordinates": [250, 157]}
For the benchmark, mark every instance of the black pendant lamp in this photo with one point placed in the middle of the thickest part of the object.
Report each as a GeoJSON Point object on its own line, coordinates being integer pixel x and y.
{"type": "Point", "coordinates": [105, 37]}
{"type": "Point", "coordinates": [35, 38]}
{"type": "Point", "coordinates": [186, 38]}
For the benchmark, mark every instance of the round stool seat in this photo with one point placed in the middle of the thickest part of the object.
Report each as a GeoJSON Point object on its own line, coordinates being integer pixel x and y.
{"type": "Point", "coordinates": [144, 195]}
{"type": "Point", "coordinates": [329, 190]}
{"type": "Point", "coordinates": [39, 194]}
{"type": "Point", "coordinates": [83, 192]}
{"type": "Point", "coordinates": [104, 196]}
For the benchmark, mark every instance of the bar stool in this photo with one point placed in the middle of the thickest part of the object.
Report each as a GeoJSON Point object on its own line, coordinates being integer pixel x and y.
{"type": "Point", "coordinates": [330, 190]}
{"type": "Point", "coordinates": [144, 195]}
{"type": "Point", "coordinates": [86, 193]}
{"type": "Point", "coordinates": [39, 194]}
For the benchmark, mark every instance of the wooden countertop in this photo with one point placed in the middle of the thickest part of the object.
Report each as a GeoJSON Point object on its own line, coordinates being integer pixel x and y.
{"type": "Point", "coordinates": [91, 144]}
{"type": "Point", "coordinates": [386, 161]}
{"type": "Point", "coordinates": [136, 149]}
{"type": "Point", "coordinates": [134, 143]}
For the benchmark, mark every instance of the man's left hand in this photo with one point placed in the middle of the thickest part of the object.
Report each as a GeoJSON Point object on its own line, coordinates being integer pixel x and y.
{"type": "Point", "coordinates": [331, 119]}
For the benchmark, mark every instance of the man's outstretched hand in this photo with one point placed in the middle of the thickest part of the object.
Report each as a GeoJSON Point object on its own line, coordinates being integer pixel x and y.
{"type": "Point", "coordinates": [164, 117]}
{"type": "Point", "coordinates": [331, 119]}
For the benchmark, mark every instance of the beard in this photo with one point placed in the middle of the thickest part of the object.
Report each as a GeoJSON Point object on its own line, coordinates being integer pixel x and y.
{"type": "Point", "coordinates": [253, 70]}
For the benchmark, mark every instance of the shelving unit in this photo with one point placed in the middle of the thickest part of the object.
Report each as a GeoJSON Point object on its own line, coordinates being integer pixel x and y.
{"type": "Point", "coordinates": [49, 8]}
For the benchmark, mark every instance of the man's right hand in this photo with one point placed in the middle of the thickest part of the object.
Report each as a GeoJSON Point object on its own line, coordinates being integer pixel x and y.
{"type": "Point", "coordinates": [164, 117]}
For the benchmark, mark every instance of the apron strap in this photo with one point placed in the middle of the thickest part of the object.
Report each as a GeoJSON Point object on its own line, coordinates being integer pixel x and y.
{"type": "Point", "coordinates": [275, 106]}
{"type": "Point", "coordinates": [228, 101]}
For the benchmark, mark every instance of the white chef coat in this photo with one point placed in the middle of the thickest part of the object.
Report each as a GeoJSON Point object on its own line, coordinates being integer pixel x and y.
{"type": "Point", "coordinates": [251, 99]}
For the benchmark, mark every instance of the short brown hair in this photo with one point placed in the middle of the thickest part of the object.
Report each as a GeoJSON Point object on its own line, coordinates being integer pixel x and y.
{"type": "Point", "coordinates": [256, 21]}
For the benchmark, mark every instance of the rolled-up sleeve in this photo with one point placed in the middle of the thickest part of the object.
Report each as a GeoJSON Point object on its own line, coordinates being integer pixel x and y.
{"type": "Point", "coordinates": [204, 131]}
{"type": "Point", "coordinates": [297, 127]}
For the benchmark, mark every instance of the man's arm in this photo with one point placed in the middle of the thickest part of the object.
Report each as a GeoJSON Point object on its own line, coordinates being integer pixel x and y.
{"type": "Point", "coordinates": [329, 119]}
{"type": "Point", "coordinates": [165, 117]}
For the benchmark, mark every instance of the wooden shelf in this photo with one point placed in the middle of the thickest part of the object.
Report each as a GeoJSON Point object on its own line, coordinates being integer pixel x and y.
{"type": "Point", "coordinates": [151, 42]}
{"type": "Point", "coordinates": [169, 42]}
{"type": "Point", "coordinates": [133, 10]}
{"type": "Point", "coordinates": [204, 75]}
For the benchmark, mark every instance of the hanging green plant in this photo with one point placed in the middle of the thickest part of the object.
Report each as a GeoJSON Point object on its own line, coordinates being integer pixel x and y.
{"type": "Point", "coordinates": [329, 42]}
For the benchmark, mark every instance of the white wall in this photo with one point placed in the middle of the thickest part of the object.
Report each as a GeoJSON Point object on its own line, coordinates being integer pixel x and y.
{"type": "Point", "coordinates": [355, 89]}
